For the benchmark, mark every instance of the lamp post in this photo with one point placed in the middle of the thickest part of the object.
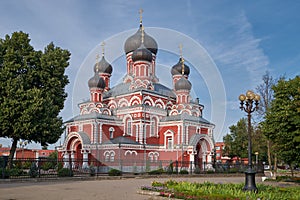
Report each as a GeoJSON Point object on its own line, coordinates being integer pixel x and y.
{"type": "Point", "coordinates": [249, 103]}
{"type": "Point", "coordinates": [256, 155]}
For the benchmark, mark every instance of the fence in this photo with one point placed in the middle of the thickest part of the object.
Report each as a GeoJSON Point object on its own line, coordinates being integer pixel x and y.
{"type": "Point", "coordinates": [51, 168]}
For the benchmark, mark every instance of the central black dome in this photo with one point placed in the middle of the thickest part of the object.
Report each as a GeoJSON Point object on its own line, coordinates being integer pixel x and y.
{"type": "Point", "coordinates": [134, 42]}
{"type": "Point", "coordinates": [142, 53]}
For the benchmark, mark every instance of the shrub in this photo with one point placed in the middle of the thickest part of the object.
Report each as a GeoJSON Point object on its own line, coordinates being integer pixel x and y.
{"type": "Point", "coordinates": [33, 171]}
{"type": "Point", "coordinates": [156, 172]}
{"type": "Point", "coordinates": [15, 172]}
{"type": "Point", "coordinates": [92, 170]}
{"type": "Point", "coordinates": [183, 171]}
{"type": "Point", "coordinates": [65, 172]}
{"type": "Point", "coordinates": [59, 166]}
{"type": "Point", "coordinates": [6, 173]}
{"type": "Point", "coordinates": [27, 165]}
{"type": "Point", "coordinates": [170, 168]}
{"type": "Point", "coordinates": [114, 172]}
{"type": "Point", "coordinates": [47, 165]}
{"type": "Point", "coordinates": [197, 170]}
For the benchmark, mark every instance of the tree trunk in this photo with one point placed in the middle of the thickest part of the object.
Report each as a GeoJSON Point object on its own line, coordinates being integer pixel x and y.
{"type": "Point", "coordinates": [269, 155]}
{"type": "Point", "coordinates": [12, 152]}
{"type": "Point", "coordinates": [275, 165]}
{"type": "Point", "coordinates": [292, 170]}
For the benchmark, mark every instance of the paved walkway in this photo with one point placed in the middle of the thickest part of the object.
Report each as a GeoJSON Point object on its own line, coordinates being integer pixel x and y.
{"type": "Point", "coordinates": [125, 188]}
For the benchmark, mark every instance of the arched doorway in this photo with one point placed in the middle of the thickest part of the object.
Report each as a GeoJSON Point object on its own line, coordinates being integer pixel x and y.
{"type": "Point", "coordinates": [201, 155]}
{"type": "Point", "coordinates": [74, 152]}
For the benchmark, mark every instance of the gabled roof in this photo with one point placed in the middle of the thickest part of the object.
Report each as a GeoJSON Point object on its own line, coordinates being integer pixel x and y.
{"type": "Point", "coordinates": [84, 137]}
{"type": "Point", "coordinates": [93, 115]}
{"type": "Point", "coordinates": [187, 117]}
{"type": "Point", "coordinates": [121, 140]}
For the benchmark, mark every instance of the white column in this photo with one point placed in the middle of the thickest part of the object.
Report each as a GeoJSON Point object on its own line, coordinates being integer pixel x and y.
{"type": "Point", "coordinates": [192, 161]}
{"type": "Point", "coordinates": [141, 133]}
{"type": "Point", "coordinates": [100, 133]}
{"type": "Point", "coordinates": [72, 159]}
{"type": "Point", "coordinates": [204, 167]}
{"type": "Point", "coordinates": [209, 160]}
{"type": "Point", "coordinates": [85, 159]}
{"type": "Point", "coordinates": [96, 140]}
{"type": "Point", "coordinates": [66, 159]}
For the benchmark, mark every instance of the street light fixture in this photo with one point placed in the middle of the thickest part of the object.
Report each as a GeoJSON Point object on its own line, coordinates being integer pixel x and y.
{"type": "Point", "coordinates": [249, 103]}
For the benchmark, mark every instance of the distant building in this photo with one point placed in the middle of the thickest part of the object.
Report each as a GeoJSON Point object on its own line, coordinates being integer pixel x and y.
{"type": "Point", "coordinates": [24, 153]}
{"type": "Point", "coordinates": [139, 119]}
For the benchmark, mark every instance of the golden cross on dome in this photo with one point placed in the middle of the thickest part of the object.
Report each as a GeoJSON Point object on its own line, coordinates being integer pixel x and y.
{"type": "Point", "coordinates": [182, 59]}
{"type": "Point", "coordinates": [102, 45]}
{"type": "Point", "coordinates": [143, 34]}
{"type": "Point", "coordinates": [141, 15]}
{"type": "Point", "coordinates": [97, 58]}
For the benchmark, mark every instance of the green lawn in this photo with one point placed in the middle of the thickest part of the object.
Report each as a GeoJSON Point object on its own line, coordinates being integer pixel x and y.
{"type": "Point", "coordinates": [212, 191]}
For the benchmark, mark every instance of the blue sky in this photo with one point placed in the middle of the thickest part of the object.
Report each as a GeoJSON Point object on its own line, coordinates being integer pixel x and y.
{"type": "Point", "coordinates": [243, 39]}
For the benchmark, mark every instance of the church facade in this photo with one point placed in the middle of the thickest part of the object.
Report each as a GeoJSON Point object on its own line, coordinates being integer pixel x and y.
{"type": "Point", "coordinates": [139, 119]}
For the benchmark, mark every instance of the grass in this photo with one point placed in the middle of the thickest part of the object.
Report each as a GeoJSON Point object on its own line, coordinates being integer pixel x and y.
{"type": "Point", "coordinates": [210, 191]}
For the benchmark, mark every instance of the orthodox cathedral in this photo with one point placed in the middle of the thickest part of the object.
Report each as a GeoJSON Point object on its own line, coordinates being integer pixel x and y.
{"type": "Point", "coordinates": [139, 119]}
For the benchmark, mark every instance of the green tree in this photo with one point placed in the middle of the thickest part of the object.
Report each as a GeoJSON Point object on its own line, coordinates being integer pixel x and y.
{"type": "Point", "coordinates": [266, 93]}
{"type": "Point", "coordinates": [282, 121]}
{"type": "Point", "coordinates": [236, 141]}
{"type": "Point", "coordinates": [32, 90]}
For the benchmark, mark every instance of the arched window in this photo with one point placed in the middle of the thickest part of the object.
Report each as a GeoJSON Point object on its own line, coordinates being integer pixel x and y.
{"type": "Point", "coordinates": [111, 132]}
{"type": "Point", "coordinates": [109, 156]}
{"type": "Point", "coordinates": [170, 143]}
{"type": "Point", "coordinates": [153, 127]}
{"type": "Point", "coordinates": [112, 156]}
{"type": "Point", "coordinates": [169, 140]}
{"type": "Point", "coordinates": [128, 126]}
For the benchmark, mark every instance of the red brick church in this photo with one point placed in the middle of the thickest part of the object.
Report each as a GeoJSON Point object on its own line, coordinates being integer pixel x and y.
{"type": "Point", "coordinates": [139, 119]}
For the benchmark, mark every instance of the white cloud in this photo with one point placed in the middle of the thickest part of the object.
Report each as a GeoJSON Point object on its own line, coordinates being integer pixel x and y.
{"type": "Point", "coordinates": [240, 50]}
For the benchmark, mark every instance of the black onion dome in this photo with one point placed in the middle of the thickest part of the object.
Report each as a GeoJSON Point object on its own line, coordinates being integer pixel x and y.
{"type": "Point", "coordinates": [142, 53]}
{"type": "Point", "coordinates": [183, 84]}
{"type": "Point", "coordinates": [103, 67]}
{"type": "Point", "coordinates": [96, 82]}
{"type": "Point", "coordinates": [177, 68]}
{"type": "Point", "coordinates": [134, 42]}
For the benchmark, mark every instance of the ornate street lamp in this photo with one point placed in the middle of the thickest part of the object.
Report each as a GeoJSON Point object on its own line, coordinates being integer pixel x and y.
{"type": "Point", "coordinates": [249, 103]}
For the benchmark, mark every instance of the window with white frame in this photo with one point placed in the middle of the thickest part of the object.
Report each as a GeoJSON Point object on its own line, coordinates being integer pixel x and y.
{"type": "Point", "coordinates": [112, 156]}
{"type": "Point", "coordinates": [107, 157]}
{"type": "Point", "coordinates": [153, 127]}
{"type": "Point", "coordinates": [170, 143]}
{"type": "Point", "coordinates": [169, 139]}
{"type": "Point", "coordinates": [128, 128]}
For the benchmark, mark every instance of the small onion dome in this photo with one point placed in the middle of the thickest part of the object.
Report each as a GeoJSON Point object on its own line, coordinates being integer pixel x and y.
{"type": "Point", "coordinates": [142, 53]}
{"type": "Point", "coordinates": [103, 67]}
{"type": "Point", "coordinates": [183, 84]}
{"type": "Point", "coordinates": [134, 42]}
{"type": "Point", "coordinates": [177, 68]}
{"type": "Point", "coordinates": [96, 82]}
